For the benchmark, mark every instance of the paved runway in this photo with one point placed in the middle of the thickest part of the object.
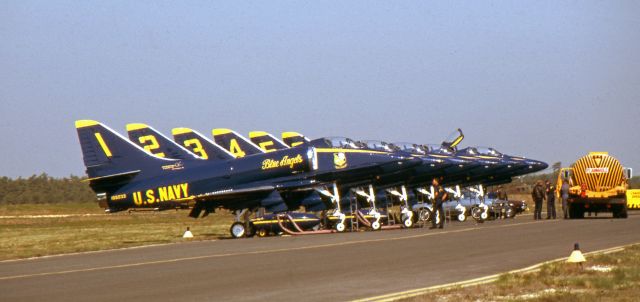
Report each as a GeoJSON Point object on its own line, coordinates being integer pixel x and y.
{"type": "Point", "coordinates": [313, 268]}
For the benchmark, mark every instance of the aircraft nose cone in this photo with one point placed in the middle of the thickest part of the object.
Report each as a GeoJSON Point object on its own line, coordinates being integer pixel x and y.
{"type": "Point", "coordinates": [537, 165]}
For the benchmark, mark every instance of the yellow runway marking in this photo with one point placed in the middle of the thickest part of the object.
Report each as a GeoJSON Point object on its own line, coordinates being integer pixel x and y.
{"type": "Point", "coordinates": [166, 261]}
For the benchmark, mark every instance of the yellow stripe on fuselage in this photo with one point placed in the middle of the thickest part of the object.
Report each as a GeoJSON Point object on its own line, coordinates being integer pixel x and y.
{"type": "Point", "coordinates": [334, 150]}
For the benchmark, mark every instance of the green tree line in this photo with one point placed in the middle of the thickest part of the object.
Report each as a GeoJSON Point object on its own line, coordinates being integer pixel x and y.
{"type": "Point", "coordinates": [44, 189]}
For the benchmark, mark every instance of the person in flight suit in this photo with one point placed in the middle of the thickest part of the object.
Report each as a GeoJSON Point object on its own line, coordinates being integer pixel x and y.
{"type": "Point", "coordinates": [439, 198]}
{"type": "Point", "coordinates": [538, 196]}
{"type": "Point", "coordinates": [564, 193]}
{"type": "Point", "coordinates": [502, 194]}
{"type": "Point", "coordinates": [551, 200]}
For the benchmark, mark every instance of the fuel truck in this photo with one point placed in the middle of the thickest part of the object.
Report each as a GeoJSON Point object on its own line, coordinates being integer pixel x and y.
{"type": "Point", "coordinates": [598, 183]}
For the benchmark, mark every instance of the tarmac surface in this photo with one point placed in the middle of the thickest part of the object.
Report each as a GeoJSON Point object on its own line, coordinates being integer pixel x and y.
{"type": "Point", "coordinates": [311, 268]}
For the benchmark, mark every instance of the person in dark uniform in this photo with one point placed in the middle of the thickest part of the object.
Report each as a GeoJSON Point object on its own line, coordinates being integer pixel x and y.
{"type": "Point", "coordinates": [502, 194]}
{"type": "Point", "coordinates": [538, 196]}
{"type": "Point", "coordinates": [551, 200]}
{"type": "Point", "coordinates": [439, 198]}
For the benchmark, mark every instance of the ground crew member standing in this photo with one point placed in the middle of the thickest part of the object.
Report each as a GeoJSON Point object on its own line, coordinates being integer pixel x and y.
{"type": "Point", "coordinates": [538, 196]}
{"type": "Point", "coordinates": [551, 200]}
{"type": "Point", "coordinates": [502, 195]}
{"type": "Point", "coordinates": [440, 196]}
{"type": "Point", "coordinates": [564, 194]}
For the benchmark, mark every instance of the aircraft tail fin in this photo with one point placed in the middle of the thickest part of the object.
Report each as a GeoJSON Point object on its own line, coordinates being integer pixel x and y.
{"type": "Point", "coordinates": [107, 154]}
{"type": "Point", "coordinates": [293, 139]}
{"type": "Point", "coordinates": [156, 143]}
{"type": "Point", "coordinates": [200, 145]}
{"type": "Point", "coordinates": [266, 141]}
{"type": "Point", "coordinates": [235, 143]}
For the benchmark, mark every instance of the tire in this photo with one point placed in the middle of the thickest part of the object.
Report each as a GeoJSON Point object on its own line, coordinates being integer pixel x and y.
{"type": "Point", "coordinates": [620, 211]}
{"type": "Point", "coordinates": [425, 215]}
{"type": "Point", "coordinates": [407, 223]}
{"type": "Point", "coordinates": [476, 213]}
{"type": "Point", "coordinates": [262, 232]}
{"type": "Point", "coordinates": [510, 212]}
{"type": "Point", "coordinates": [461, 217]}
{"type": "Point", "coordinates": [238, 230]}
{"type": "Point", "coordinates": [340, 227]}
{"type": "Point", "coordinates": [375, 225]}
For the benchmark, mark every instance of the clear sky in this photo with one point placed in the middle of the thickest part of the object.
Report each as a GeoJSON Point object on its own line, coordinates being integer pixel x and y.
{"type": "Point", "coordinates": [548, 80]}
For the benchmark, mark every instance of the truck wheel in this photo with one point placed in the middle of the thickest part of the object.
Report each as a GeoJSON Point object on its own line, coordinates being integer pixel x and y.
{"type": "Point", "coordinates": [623, 213]}
{"type": "Point", "coordinates": [237, 229]}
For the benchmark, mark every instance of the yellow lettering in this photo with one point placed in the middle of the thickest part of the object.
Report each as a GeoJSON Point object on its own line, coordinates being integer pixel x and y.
{"type": "Point", "coordinates": [196, 147]}
{"type": "Point", "coordinates": [152, 144]}
{"type": "Point", "coordinates": [162, 193]}
{"type": "Point", "coordinates": [172, 194]}
{"type": "Point", "coordinates": [151, 198]}
{"type": "Point", "coordinates": [136, 199]}
{"type": "Point", "coordinates": [234, 148]}
{"type": "Point", "coordinates": [177, 191]}
{"type": "Point", "coordinates": [185, 189]}
{"type": "Point", "coordinates": [270, 164]}
{"type": "Point", "coordinates": [284, 162]}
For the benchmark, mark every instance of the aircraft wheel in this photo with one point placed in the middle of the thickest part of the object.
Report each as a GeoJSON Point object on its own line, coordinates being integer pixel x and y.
{"type": "Point", "coordinates": [476, 213]}
{"type": "Point", "coordinates": [424, 215]}
{"type": "Point", "coordinates": [262, 232]}
{"type": "Point", "coordinates": [340, 227]}
{"type": "Point", "coordinates": [462, 217]}
{"type": "Point", "coordinates": [375, 225]}
{"type": "Point", "coordinates": [484, 216]}
{"type": "Point", "coordinates": [237, 229]}
{"type": "Point", "coordinates": [408, 223]}
{"type": "Point", "coordinates": [510, 212]}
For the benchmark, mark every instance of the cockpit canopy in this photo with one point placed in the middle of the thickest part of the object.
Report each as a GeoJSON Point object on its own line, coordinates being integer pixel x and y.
{"type": "Point", "coordinates": [439, 149]}
{"type": "Point", "coordinates": [410, 147]}
{"type": "Point", "coordinates": [488, 151]}
{"type": "Point", "coordinates": [341, 142]}
{"type": "Point", "coordinates": [378, 145]}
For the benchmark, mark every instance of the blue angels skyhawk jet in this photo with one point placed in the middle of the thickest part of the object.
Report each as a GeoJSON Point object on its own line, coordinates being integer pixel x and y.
{"type": "Point", "coordinates": [312, 200]}
{"type": "Point", "coordinates": [125, 175]}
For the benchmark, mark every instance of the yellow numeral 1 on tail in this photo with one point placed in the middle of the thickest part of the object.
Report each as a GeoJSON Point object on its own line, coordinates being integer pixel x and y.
{"type": "Point", "coordinates": [105, 149]}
